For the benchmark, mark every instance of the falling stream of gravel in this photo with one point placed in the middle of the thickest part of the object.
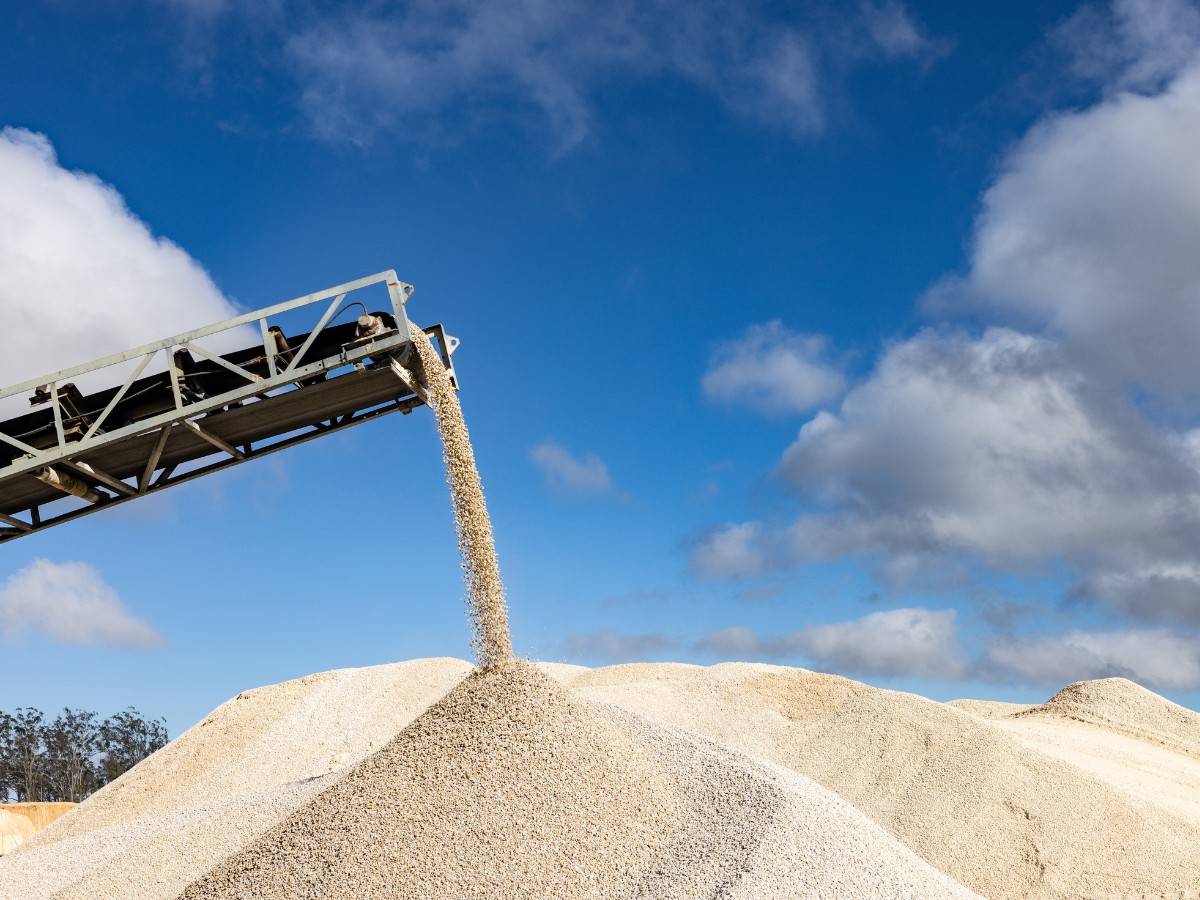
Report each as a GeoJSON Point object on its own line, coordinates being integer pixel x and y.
{"type": "Point", "coordinates": [490, 640]}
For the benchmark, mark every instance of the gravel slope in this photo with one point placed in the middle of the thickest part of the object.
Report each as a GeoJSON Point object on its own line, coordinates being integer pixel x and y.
{"type": "Point", "coordinates": [512, 787]}
{"type": "Point", "coordinates": [250, 762]}
{"type": "Point", "coordinates": [976, 802]}
{"type": "Point", "coordinates": [723, 750]}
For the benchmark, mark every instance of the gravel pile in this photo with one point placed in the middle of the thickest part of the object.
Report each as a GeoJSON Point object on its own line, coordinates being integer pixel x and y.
{"type": "Point", "coordinates": [511, 787]}
{"type": "Point", "coordinates": [1137, 742]}
{"type": "Point", "coordinates": [990, 709]}
{"type": "Point", "coordinates": [490, 640]}
{"type": "Point", "coordinates": [1119, 705]}
{"type": "Point", "coordinates": [971, 799]}
{"type": "Point", "coordinates": [223, 782]}
{"type": "Point", "coordinates": [151, 858]}
{"type": "Point", "coordinates": [1016, 806]}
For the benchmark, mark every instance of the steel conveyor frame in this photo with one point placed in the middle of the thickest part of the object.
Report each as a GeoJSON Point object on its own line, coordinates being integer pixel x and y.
{"type": "Point", "coordinates": [92, 453]}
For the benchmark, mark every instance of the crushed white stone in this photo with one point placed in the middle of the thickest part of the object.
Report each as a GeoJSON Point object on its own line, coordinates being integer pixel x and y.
{"type": "Point", "coordinates": [990, 709]}
{"type": "Point", "coordinates": [1138, 742]}
{"type": "Point", "coordinates": [510, 787]}
{"type": "Point", "coordinates": [250, 762]}
{"type": "Point", "coordinates": [971, 799]}
{"type": "Point", "coordinates": [977, 800]}
{"type": "Point", "coordinates": [490, 640]}
{"type": "Point", "coordinates": [1120, 705]}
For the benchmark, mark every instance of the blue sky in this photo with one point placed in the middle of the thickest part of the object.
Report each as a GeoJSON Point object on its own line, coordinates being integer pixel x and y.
{"type": "Point", "coordinates": [852, 336]}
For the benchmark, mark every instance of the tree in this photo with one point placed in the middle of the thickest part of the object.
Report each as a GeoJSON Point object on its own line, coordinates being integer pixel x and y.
{"type": "Point", "coordinates": [72, 742]}
{"type": "Point", "coordinates": [23, 753]}
{"type": "Point", "coordinates": [126, 739]}
{"type": "Point", "coordinates": [8, 783]}
{"type": "Point", "coordinates": [73, 756]}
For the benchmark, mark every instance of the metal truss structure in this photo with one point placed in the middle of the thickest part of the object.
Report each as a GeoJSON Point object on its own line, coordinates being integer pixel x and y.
{"type": "Point", "coordinates": [78, 454]}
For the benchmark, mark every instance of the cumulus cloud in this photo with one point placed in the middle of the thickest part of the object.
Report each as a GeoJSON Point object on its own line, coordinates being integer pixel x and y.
{"type": "Point", "coordinates": [1089, 233]}
{"type": "Point", "coordinates": [80, 268]}
{"type": "Point", "coordinates": [913, 642]}
{"type": "Point", "coordinates": [1156, 658]}
{"type": "Point", "coordinates": [1060, 435]}
{"type": "Point", "coordinates": [993, 447]}
{"type": "Point", "coordinates": [570, 476]}
{"type": "Point", "coordinates": [773, 370]}
{"type": "Point", "coordinates": [917, 642]}
{"type": "Point", "coordinates": [368, 70]}
{"type": "Point", "coordinates": [1167, 592]}
{"type": "Point", "coordinates": [1131, 44]}
{"type": "Point", "coordinates": [610, 646]}
{"type": "Point", "coordinates": [741, 643]}
{"type": "Point", "coordinates": [922, 571]}
{"type": "Point", "coordinates": [734, 551]}
{"type": "Point", "coordinates": [70, 602]}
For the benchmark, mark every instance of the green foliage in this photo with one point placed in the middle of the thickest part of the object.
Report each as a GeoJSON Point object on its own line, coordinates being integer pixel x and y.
{"type": "Point", "coordinates": [74, 755]}
{"type": "Point", "coordinates": [21, 754]}
{"type": "Point", "coordinates": [127, 739]}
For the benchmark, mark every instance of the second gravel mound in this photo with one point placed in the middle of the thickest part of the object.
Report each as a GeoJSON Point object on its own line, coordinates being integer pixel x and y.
{"type": "Point", "coordinates": [1121, 706]}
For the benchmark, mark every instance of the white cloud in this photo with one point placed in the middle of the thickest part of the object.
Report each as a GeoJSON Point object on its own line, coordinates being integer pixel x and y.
{"type": "Point", "coordinates": [992, 447]}
{"type": "Point", "coordinates": [366, 71]}
{"type": "Point", "coordinates": [567, 475]}
{"type": "Point", "coordinates": [773, 370]}
{"type": "Point", "coordinates": [894, 32]}
{"type": "Point", "coordinates": [915, 642]}
{"type": "Point", "coordinates": [70, 602]}
{"type": "Point", "coordinates": [1090, 233]}
{"type": "Point", "coordinates": [1023, 449]}
{"type": "Point", "coordinates": [1131, 44]}
{"type": "Point", "coordinates": [1163, 592]}
{"type": "Point", "coordinates": [781, 85]}
{"type": "Point", "coordinates": [610, 646]}
{"type": "Point", "coordinates": [741, 643]}
{"type": "Point", "coordinates": [1156, 658]}
{"type": "Point", "coordinates": [733, 551]}
{"type": "Point", "coordinates": [905, 642]}
{"type": "Point", "coordinates": [82, 275]}
{"type": "Point", "coordinates": [922, 571]}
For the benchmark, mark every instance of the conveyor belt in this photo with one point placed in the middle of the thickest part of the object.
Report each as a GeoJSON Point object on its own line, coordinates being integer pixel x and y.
{"type": "Point", "coordinates": [78, 454]}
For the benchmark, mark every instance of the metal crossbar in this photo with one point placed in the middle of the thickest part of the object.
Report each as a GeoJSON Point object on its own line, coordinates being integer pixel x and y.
{"type": "Point", "coordinates": [289, 399]}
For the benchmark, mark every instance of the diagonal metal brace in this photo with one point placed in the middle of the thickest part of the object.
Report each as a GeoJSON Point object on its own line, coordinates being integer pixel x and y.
{"type": "Point", "coordinates": [213, 439]}
{"type": "Point", "coordinates": [15, 523]}
{"type": "Point", "coordinates": [407, 376]}
{"type": "Point", "coordinates": [155, 455]}
{"type": "Point", "coordinates": [212, 357]}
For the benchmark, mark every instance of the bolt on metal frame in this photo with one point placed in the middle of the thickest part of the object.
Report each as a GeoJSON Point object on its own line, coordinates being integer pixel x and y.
{"type": "Point", "coordinates": [63, 467]}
